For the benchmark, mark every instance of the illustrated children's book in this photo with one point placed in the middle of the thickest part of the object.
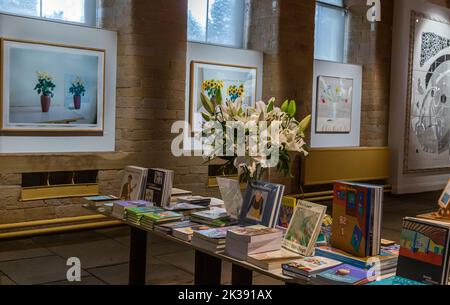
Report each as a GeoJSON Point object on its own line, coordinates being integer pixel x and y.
{"type": "Point", "coordinates": [344, 275]}
{"type": "Point", "coordinates": [304, 228]}
{"type": "Point", "coordinates": [133, 183]}
{"type": "Point", "coordinates": [261, 204]}
{"type": "Point", "coordinates": [443, 214]}
{"type": "Point", "coordinates": [357, 212]}
{"type": "Point", "coordinates": [424, 251]}
{"type": "Point", "coordinates": [288, 205]}
{"type": "Point", "coordinates": [310, 266]}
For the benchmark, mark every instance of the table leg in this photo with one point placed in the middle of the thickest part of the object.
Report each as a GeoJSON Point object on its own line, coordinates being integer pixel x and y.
{"type": "Point", "coordinates": [138, 256]}
{"type": "Point", "coordinates": [241, 276]}
{"type": "Point", "coordinates": [208, 269]}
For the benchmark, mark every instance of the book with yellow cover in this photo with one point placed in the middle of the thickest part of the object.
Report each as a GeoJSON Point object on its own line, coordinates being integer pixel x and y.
{"type": "Point", "coordinates": [288, 205]}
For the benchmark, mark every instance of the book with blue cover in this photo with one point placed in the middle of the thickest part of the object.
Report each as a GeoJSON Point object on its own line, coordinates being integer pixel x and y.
{"type": "Point", "coordinates": [343, 275]}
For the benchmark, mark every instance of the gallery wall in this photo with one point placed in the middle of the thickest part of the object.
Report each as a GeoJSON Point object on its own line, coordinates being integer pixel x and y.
{"type": "Point", "coordinates": [29, 29]}
{"type": "Point", "coordinates": [345, 71]}
{"type": "Point", "coordinates": [420, 181]}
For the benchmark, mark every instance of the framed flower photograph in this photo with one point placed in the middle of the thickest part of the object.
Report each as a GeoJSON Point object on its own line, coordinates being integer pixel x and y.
{"type": "Point", "coordinates": [334, 105]}
{"type": "Point", "coordinates": [51, 88]}
{"type": "Point", "coordinates": [233, 82]}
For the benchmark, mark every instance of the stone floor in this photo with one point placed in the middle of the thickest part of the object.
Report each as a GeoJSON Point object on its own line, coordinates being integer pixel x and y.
{"type": "Point", "coordinates": [104, 253]}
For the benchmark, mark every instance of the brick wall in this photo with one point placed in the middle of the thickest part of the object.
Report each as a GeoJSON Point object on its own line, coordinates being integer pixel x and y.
{"type": "Point", "coordinates": [284, 31]}
{"type": "Point", "coordinates": [371, 48]}
{"type": "Point", "coordinates": [150, 97]}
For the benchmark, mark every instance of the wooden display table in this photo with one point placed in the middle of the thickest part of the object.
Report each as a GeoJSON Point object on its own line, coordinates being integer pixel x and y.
{"type": "Point", "coordinates": [208, 265]}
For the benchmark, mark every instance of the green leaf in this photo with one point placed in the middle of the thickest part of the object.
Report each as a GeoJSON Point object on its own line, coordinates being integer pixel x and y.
{"type": "Point", "coordinates": [285, 106]}
{"type": "Point", "coordinates": [271, 105]}
{"type": "Point", "coordinates": [304, 124]}
{"type": "Point", "coordinates": [206, 102]}
{"type": "Point", "coordinates": [219, 98]}
{"type": "Point", "coordinates": [292, 109]}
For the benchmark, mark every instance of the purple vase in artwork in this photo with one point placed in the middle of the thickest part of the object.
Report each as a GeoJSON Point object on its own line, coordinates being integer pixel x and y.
{"type": "Point", "coordinates": [77, 102]}
{"type": "Point", "coordinates": [45, 103]}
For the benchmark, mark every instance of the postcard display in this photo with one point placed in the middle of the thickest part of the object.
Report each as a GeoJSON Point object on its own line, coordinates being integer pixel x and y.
{"type": "Point", "coordinates": [64, 107]}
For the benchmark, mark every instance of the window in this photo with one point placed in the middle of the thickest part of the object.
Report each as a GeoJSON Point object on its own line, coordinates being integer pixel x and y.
{"type": "Point", "coordinates": [218, 22]}
{"type": "Point", "coordinates": [331, 17]}
{"type": "Point", "coordinates": [79, 11]}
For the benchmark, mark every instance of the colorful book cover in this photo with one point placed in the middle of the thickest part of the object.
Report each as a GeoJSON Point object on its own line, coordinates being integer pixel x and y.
{"type": "Point", "coordinates": [444, 200]}
{"type": "Point", "coordinates": [304, 228]}
{"type": "Point", "coordinates": [261, 204]}
{"type": "Point", "coordinates": [311, 265]}
{"type": "Point", "coordinates": [214, 214]}
{"type": "Point", "coordinates": [101, 198]}
{"type": "Point", "coordinates": [395, 281]}
{"type": "Point", "coordinates": [351, 218]}
{"type": "Point", "coordinates": [158, 216]}
{"type": "Point", "coordinates": [216, 233]}
{"type": "Point", "coordinates": [424, 252]}
{"type": "Point", "coordinates": [344, 275]}
{"type": "Point", "coordinates": [288, 205]}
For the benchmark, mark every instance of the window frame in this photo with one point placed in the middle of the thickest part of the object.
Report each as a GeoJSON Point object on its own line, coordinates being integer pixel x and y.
{"type": "Point", "coordinates": [90, 15]}
{"type": "Point", "coordinates": [240, 47]}
{"type": "Point", "coordinates": [344, 9]}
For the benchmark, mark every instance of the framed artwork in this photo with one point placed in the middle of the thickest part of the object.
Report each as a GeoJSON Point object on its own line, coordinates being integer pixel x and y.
{"type": "Point", "coordinates": [334, 105]}
{"type": "Point", "coordinates": [51, 88]}
{"type": "Point", "coordinates": [427, 130]}
{"type": "Point", "coordinates": [233, 81]}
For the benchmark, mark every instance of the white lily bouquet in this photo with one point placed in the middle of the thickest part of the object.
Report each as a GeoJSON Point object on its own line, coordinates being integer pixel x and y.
{"type": "Point", "coordinates": [252, 139]}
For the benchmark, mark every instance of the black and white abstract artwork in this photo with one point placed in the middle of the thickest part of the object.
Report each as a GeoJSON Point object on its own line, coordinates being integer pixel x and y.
{"type": "Point", "coordinates": [427, 145]}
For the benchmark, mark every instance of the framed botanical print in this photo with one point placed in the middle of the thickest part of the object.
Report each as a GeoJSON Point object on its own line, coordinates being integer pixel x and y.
{"type": "Point", "coordinates": [51, 88]}
{"type": "Point", "coordinates": [334, 105]}
{"type": "Point", "coordinates": [233, 81]}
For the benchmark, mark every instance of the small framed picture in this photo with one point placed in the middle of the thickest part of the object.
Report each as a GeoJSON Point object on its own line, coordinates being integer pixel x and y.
{"type": "Point", "coordinates": [232, 80]}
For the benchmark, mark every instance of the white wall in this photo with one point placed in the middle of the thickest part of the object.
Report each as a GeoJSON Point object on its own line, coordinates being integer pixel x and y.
{"type": "Point", "coordinates": [45, 31]}
{"type": "Point", "coordinates": [326, 68]}
{"type": "Point", "coordinates": [221, 55]}
{"type": "Point", "coordinates": [409, 183]}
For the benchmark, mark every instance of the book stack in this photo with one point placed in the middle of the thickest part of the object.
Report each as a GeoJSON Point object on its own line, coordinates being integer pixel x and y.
{"type": "Point", "coordinates": [186, 233]}
{"type": "Point", "coordinates": [135, 214]}
{"type": "Point", "coordinates": [158, 188]}
{"type": "Point", "coordinates": [361, 206]}
{"type": "Point", "coordinates": [119, 207]}
{"type": "Point", "coordinates": [149, 220]}
{"type": "Point", "coordinates": [343, 275]}
{"type": "Point", "coordinates": [304, 269]}
{"type": "Point", "coordinates": [242, 242]}
{"type": "Point", "coordinates": [211, 240]}
{"type": "Point", "coordinates": [387, 260]}
{"type": "Point", "coordinates": [186, 208]}
{"type": "Point", "coordinates": [272, 260]}
{"type": "Point", "coordinates": [214, 218]}
{"type": "Point", "coordinates": [167, 228]}
{"type": "Point", "coordinates": [196, 200]}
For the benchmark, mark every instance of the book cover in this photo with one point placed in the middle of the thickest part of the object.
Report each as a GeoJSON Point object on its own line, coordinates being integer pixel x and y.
{"type": "Point", "coordinates": [395, 281]}
{"type": "Point", "coordinates": [162, 215]}
{"type": "Point", "coordinates": [311, 265]}
{"type": "Point", "coordinates": [304, 228]}
{"type": "Point", "coordinates": [186, 233]}
{"type": "Point", "coordinates": [216, 233]}
{"type": "Point", "coordinates": [424, 252]}
{"type": "Point", "coordinates": [133, 183]}
{"type": "Point", "coordinates": [261, 204]}
{"type": "Point", "coordinates": [274, 256]}
{"type": "Point", "coordinates": [213, 214]}
{"type": "Point", "coordinates": [344, 275]}
{"type": "Point", "coordinates": [351, 218]}
{"type": "Point", "coordinates": [230, 190]}
{"type": "Point", "coordinates": [254, 233]}
{"type": "Point", "coordinates": [444, 200]}
{"type": "Point", "coordinates": [288, 205]}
